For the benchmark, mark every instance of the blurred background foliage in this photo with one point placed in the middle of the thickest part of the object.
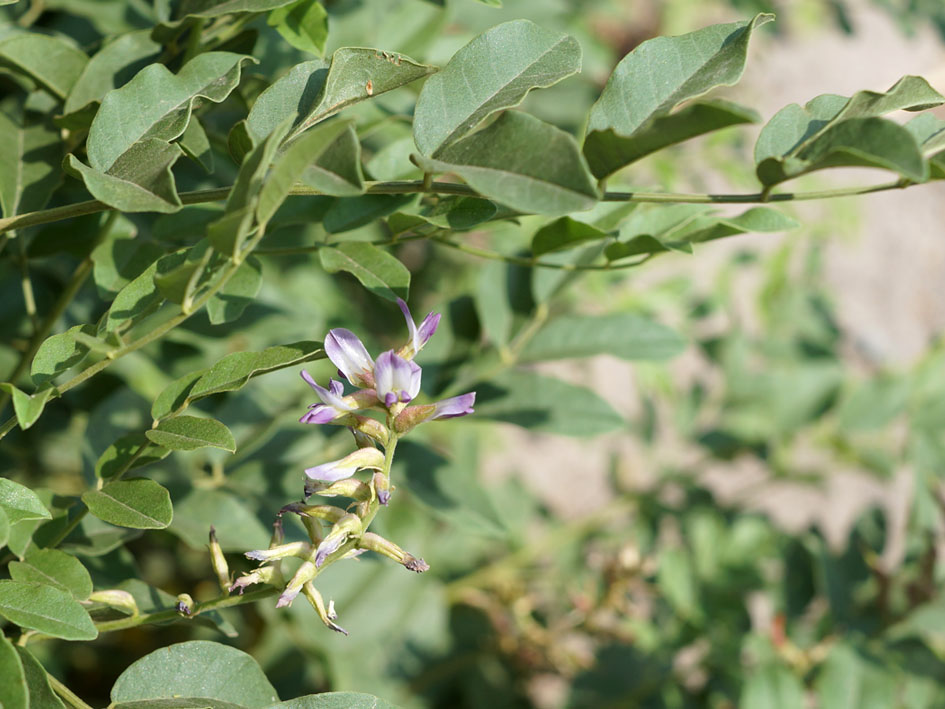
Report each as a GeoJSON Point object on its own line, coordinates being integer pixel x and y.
{"type": "Point", "coordinates": [668, 572]}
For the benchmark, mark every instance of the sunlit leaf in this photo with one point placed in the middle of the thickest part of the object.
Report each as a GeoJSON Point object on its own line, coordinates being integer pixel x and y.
{"type": "Point", "coordinates": [46, 609]}
{"type": "Point", "coordinates": [27, 407]}
{"type": "Point", "coordinates": [187, 433]}
{"type": "Point", "coordinates": [493, 72]}
{"type": "Point", "coordinates": [20, 503]}
{"type": "Point", "coordinates": [137, 503]}
{"type": "Point", "coordinates": [50, 62]}
{"type": "Point", "coordinates": [623, 335]}
{"type": "Point", "coordinates": [53, 568]}
{"type": "Point", "coordinates": [303, 24]}
{"type": "Point", "coordinates": [377, 270]}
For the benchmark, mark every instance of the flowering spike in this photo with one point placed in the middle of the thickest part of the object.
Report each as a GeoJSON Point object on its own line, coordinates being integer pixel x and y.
{"type": "Point", "coordinates": [348, 353]}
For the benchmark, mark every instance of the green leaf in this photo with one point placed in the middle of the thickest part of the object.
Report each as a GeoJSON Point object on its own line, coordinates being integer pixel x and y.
{"type": "Point", "coordinates": [187, 433]}
{"type": "Point", "coordinates": [623, 335]}
{"type": "Point", "coordinates": [216, 8]}
{"type": "Point", "coordinates": [46, 609]}
{"type": "Point", "coordinates": [135, 300]}
{"type": "Point", "coordinates": [772, 687]}
{"type": "Point", "coordinates": [377, 270]}
{"type": "Point", "coordinates": [334, 700]}
{"type": "Point", "coordinates": [53, 568]}
{"type": "Point", "coordinates": [239, 291]}
{"type": "Point", "coordinates": [58, 353]}
{"type": "Point", "coordinates": [522, 162]}
{"type": "Point", "coordinates": [30, 153]}
{"type": "Point", "coordinates": [832, 130]}
{"type": "Point", "coordinates": [27, 407]}
{"type": "Point", "coordinates": [677, 227]}
{"type": "Point", "coordinates": [196, 669]}
{"type": "Point", "coordinates": [105, 71]}
{"type": "Point", "coordinates": [493, 72]}
{"type": "Point", "coordinates": [494, 301]}
{"type": "Point", "coordinates": [459, 213]}
{"type": "Point", "coordinates": [123, 455]}
{"type": "Point", "coordinates": [629, 121]}
{"type": "Point", "coordinates": [4, 528]}
{"type": "Point", "coordinates": [120, 260]}
{"type": "Point", "coordinates": [196, 145]}
{"type": "Point", "coordinates": [50, 62]}
{"type": "Point", "coordinates": [350, 213]}
{"type": "Point", "coordinates": [178, 273]}
{"type": "Point", "coordinates": [607, 151]}
{"type": "Point", "coordinates": [849, 680]}
{"type": "Point", "coordinates": [94, 537]}
{"type": "Point", "coordinates": [157, 104]}
{"type": "Point", "coordinates": [303, 24]}
{"type": "Point", "coordinates": [230, 374]}
{"type": "Point", "coordinates": [677, 583]}
{"type": "Point", "coordinates": [20, 503]}
{"type": "Point", "coordinates": [564, 233]}
{"type": "Point", "coordinates": [545, 404]}
{"type": "Point", "coordinates": [312, 91]}
{"type": "Point", "coordinates": [929, 133]}
{"type": "Point", "coordinates": [14, 692]}
{"type": "Point", "coordinates": [41, 694]}
{"type": "Point", "coordinates": [138, 503]}
{"type": "Point", "coordinates": [140, 180]}
{"type": "Point", "coordinates": [178, 703]}
{"type": "Point", "coordinates": [326, 158]}
{"type": "Point", "coordinates": [238, 527]}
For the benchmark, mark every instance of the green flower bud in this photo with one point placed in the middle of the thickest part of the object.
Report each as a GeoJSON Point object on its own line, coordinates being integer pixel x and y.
{"type": "Point", "coordinates": [114, 598]}
{"type": "Point", "coordinates": [220, 567]}
{"type": "Point", "coordinates": [375, 542]}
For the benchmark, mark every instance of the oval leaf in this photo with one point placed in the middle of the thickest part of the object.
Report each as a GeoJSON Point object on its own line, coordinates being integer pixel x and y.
{"type": "Point", "coordinates": [378, 271]}
{"type": "Point", "coordinates": [54, 568]}
{"type": "Point", "coordinates": [196, 669]}
{"type": "Point", "coordinates": [41, 694]}
{"type": "Point", "coordinates": [622, 334]}
{"type": "Point", "coordinates": [522, 162]}
{"type": "Point", "coordinates": [13, 689]}
{"type": "Point", "coordinates": [334, 700]}
{"type": "Point", "coordinates": [137, 503]}
{"type": "Point", "coordinates": [493, 72]}
{"type": "Point", "coordinates": [46, 609]}
{"type": "Point", "coordinates": [20, 503]}
{"type": "Point", "coordinates": [49, 61]}
{"type": "Point", "coordinates": [187, 433]}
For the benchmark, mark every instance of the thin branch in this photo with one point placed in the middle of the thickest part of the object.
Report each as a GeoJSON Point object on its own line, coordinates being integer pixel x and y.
{"type": "Point", "coordinates": [63, 691]}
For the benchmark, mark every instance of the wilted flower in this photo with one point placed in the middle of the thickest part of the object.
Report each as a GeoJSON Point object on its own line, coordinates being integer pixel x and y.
{"type": "Point", "coordinates": [347, 466]}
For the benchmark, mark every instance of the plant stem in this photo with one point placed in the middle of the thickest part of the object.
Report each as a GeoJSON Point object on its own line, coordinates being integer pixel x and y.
{"type": "Point", "coordinates": [63, 691]}
{"type": "Point", "coordinates": [68, 211]}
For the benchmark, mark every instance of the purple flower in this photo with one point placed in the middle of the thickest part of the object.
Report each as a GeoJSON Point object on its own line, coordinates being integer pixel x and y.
{"type": "Point", "coordinates": [349, 354]}
{"type": "Point", "coordinates": [396, 379]}
{"type": "Point", "coordinates": [347, 466]}
{"type": "Point", "coordinates": [332, 406]}
{"type": "Point", "coordinates": [419, 336]}
{"type": "Point", "coordinates": [454, 406]}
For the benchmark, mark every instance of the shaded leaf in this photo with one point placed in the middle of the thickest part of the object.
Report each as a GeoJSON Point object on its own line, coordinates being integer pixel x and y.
{"type": "Point", "coordinates": [30, 153]}
{"type": "Point", "coordinates": [312, 91]}
{"type": "Point", "coordinates": [196, 145]}
{"type": "Point", "coordinates": [623, 335]}
{"type": "Point", "coordinates": [20, 503]}
{"type": "Point", "coordinates": [607, 151]}
{"type": "Point", "coordinates": [216, 8]}
{"type": "Point", "coordinates": [929, 133]}
{"type": "Point", "coordinates": [178, 703]}
{"type": "Point", "coordinates": [53, 568]}
{"type": "Point", "coordinates": [187, 433]}
{"type": "Point", "coordinates": [108, 69]}
{"type": "Point", "coordinates": [238, 527]}
{"type": "Point", "coordinates": [14, 692]}
{"type": "Point", "coordinates": [239, 291]}
{"type": "Point", "coordinates": [350, 213]}
{"type": "Point", "coordinates": [135, 300]}
{"type": "Point", "coordinates": [303, 24]}
{"type": "Point", "coordinates": [799, 140]}
{"type": "Point", "coordinates": [46, 609]}
{"type": "Point", "coordinates": [493, 72]}
{"type": "Point", "coordinates": [334, 700]}
{"type": "Point", "coordinates": [27, 407]}
{"type": "Point", "coordinates": [459, 213]}
{"type": "Point", "coordinates": [522, 162]}
{"type": "Point", "coordinates": [58, 353]}
{"type": "Point", "coordinates": [41, 694]}
{"type": "Point", "coordinates": [133, 450]}
{"type": "Point", "coordinates": [94, 537]}
{"type": "Point", "coordinates": [4, 528]}
{"type": "Point", "coordinates": [545, 404]}
{"type": "Point", "coordinates": [377, 270]}
{"type": "Point", "coordinates": [772, 687]}
{"type": "Point", "coordinates": [196, 668]}
{"type": "Point", "coordinates": [49, 61]}
{"type": "Point", "coordinates": [119, 261]}
{"type": "Point", "coordinates": [564, 233]}
{"type": "Point", "coordinates": [138, 503]}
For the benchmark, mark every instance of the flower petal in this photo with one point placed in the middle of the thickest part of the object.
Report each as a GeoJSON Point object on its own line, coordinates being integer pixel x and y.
{"type": "Point", "coordinates": [396, 378]}
{"type": "Point", "coordinates": [454, 406]}
{"type": "Point", "coordinates": [348, 353]}
{"type": "Point", "coordinates": [418, 336]}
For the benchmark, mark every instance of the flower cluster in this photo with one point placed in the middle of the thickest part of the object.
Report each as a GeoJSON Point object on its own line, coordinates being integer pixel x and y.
{"type": "Point", "coordinates": [385, 386]}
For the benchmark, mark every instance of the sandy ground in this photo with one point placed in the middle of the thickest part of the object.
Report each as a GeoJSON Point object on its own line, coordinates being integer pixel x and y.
{"type": "Point", "coordinates": [886, 282]}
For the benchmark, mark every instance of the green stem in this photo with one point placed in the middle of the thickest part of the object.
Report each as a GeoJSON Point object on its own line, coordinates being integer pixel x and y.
{"type": "Point", "coordinates": [67, 530]}
{"type": "Point", "coordinates": [63, 691]}
{"type": "Point", "coordinates": [55, 214]}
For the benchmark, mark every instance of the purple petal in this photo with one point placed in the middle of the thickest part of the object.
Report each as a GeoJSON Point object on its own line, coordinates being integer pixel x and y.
{"type": "Point", "coordinates": [426, 330]}
{"type": "Point", "coordinates": [349, 354]}
{"type": "Point", "coordinates": [320, 413]}
{"type": "Point", "coordinates": [331, 472]}
{"type": "Point", "coordinates": [326, 548]}
{"type": "Point", "coordinates": [411, 325]}
{"type": "Point", "coordinates": [455, 406]}
{"type": "Point", "coordinates": [396, 379]}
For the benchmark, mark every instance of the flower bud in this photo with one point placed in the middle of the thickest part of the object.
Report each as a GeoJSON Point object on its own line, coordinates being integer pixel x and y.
{"type": "Point", "coordinates": [335, 470]}
{"type": "Point", "coordinates": [375, 542]}
{"type": "Point", "coordinates": [347, 526]}
{"type": "Point", "coordinates": [307, 571]}
{"type": "Point", "coordinates": [264, 574]}
{"type": "Point", "coordinates": [355, 489]}
{"type": "Point", "coordinates": [328, 513]}
{"type": "Point", "coordinates": [327, 615]}
{"type": "Point", "coordinates": [185, 604]}
{"type": "Point", "coordinates": [381, 487]}
{"type": "Point", "coordinates": [220, 567]}
{"type": "Point", "coordinates": [413, 416]}
{"type": "Point", "coordinates": [283, 551]}
{"type": "Point", "coordinates": [115, 598]}
{"type": "Point", "coordinates": [372, 428]}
